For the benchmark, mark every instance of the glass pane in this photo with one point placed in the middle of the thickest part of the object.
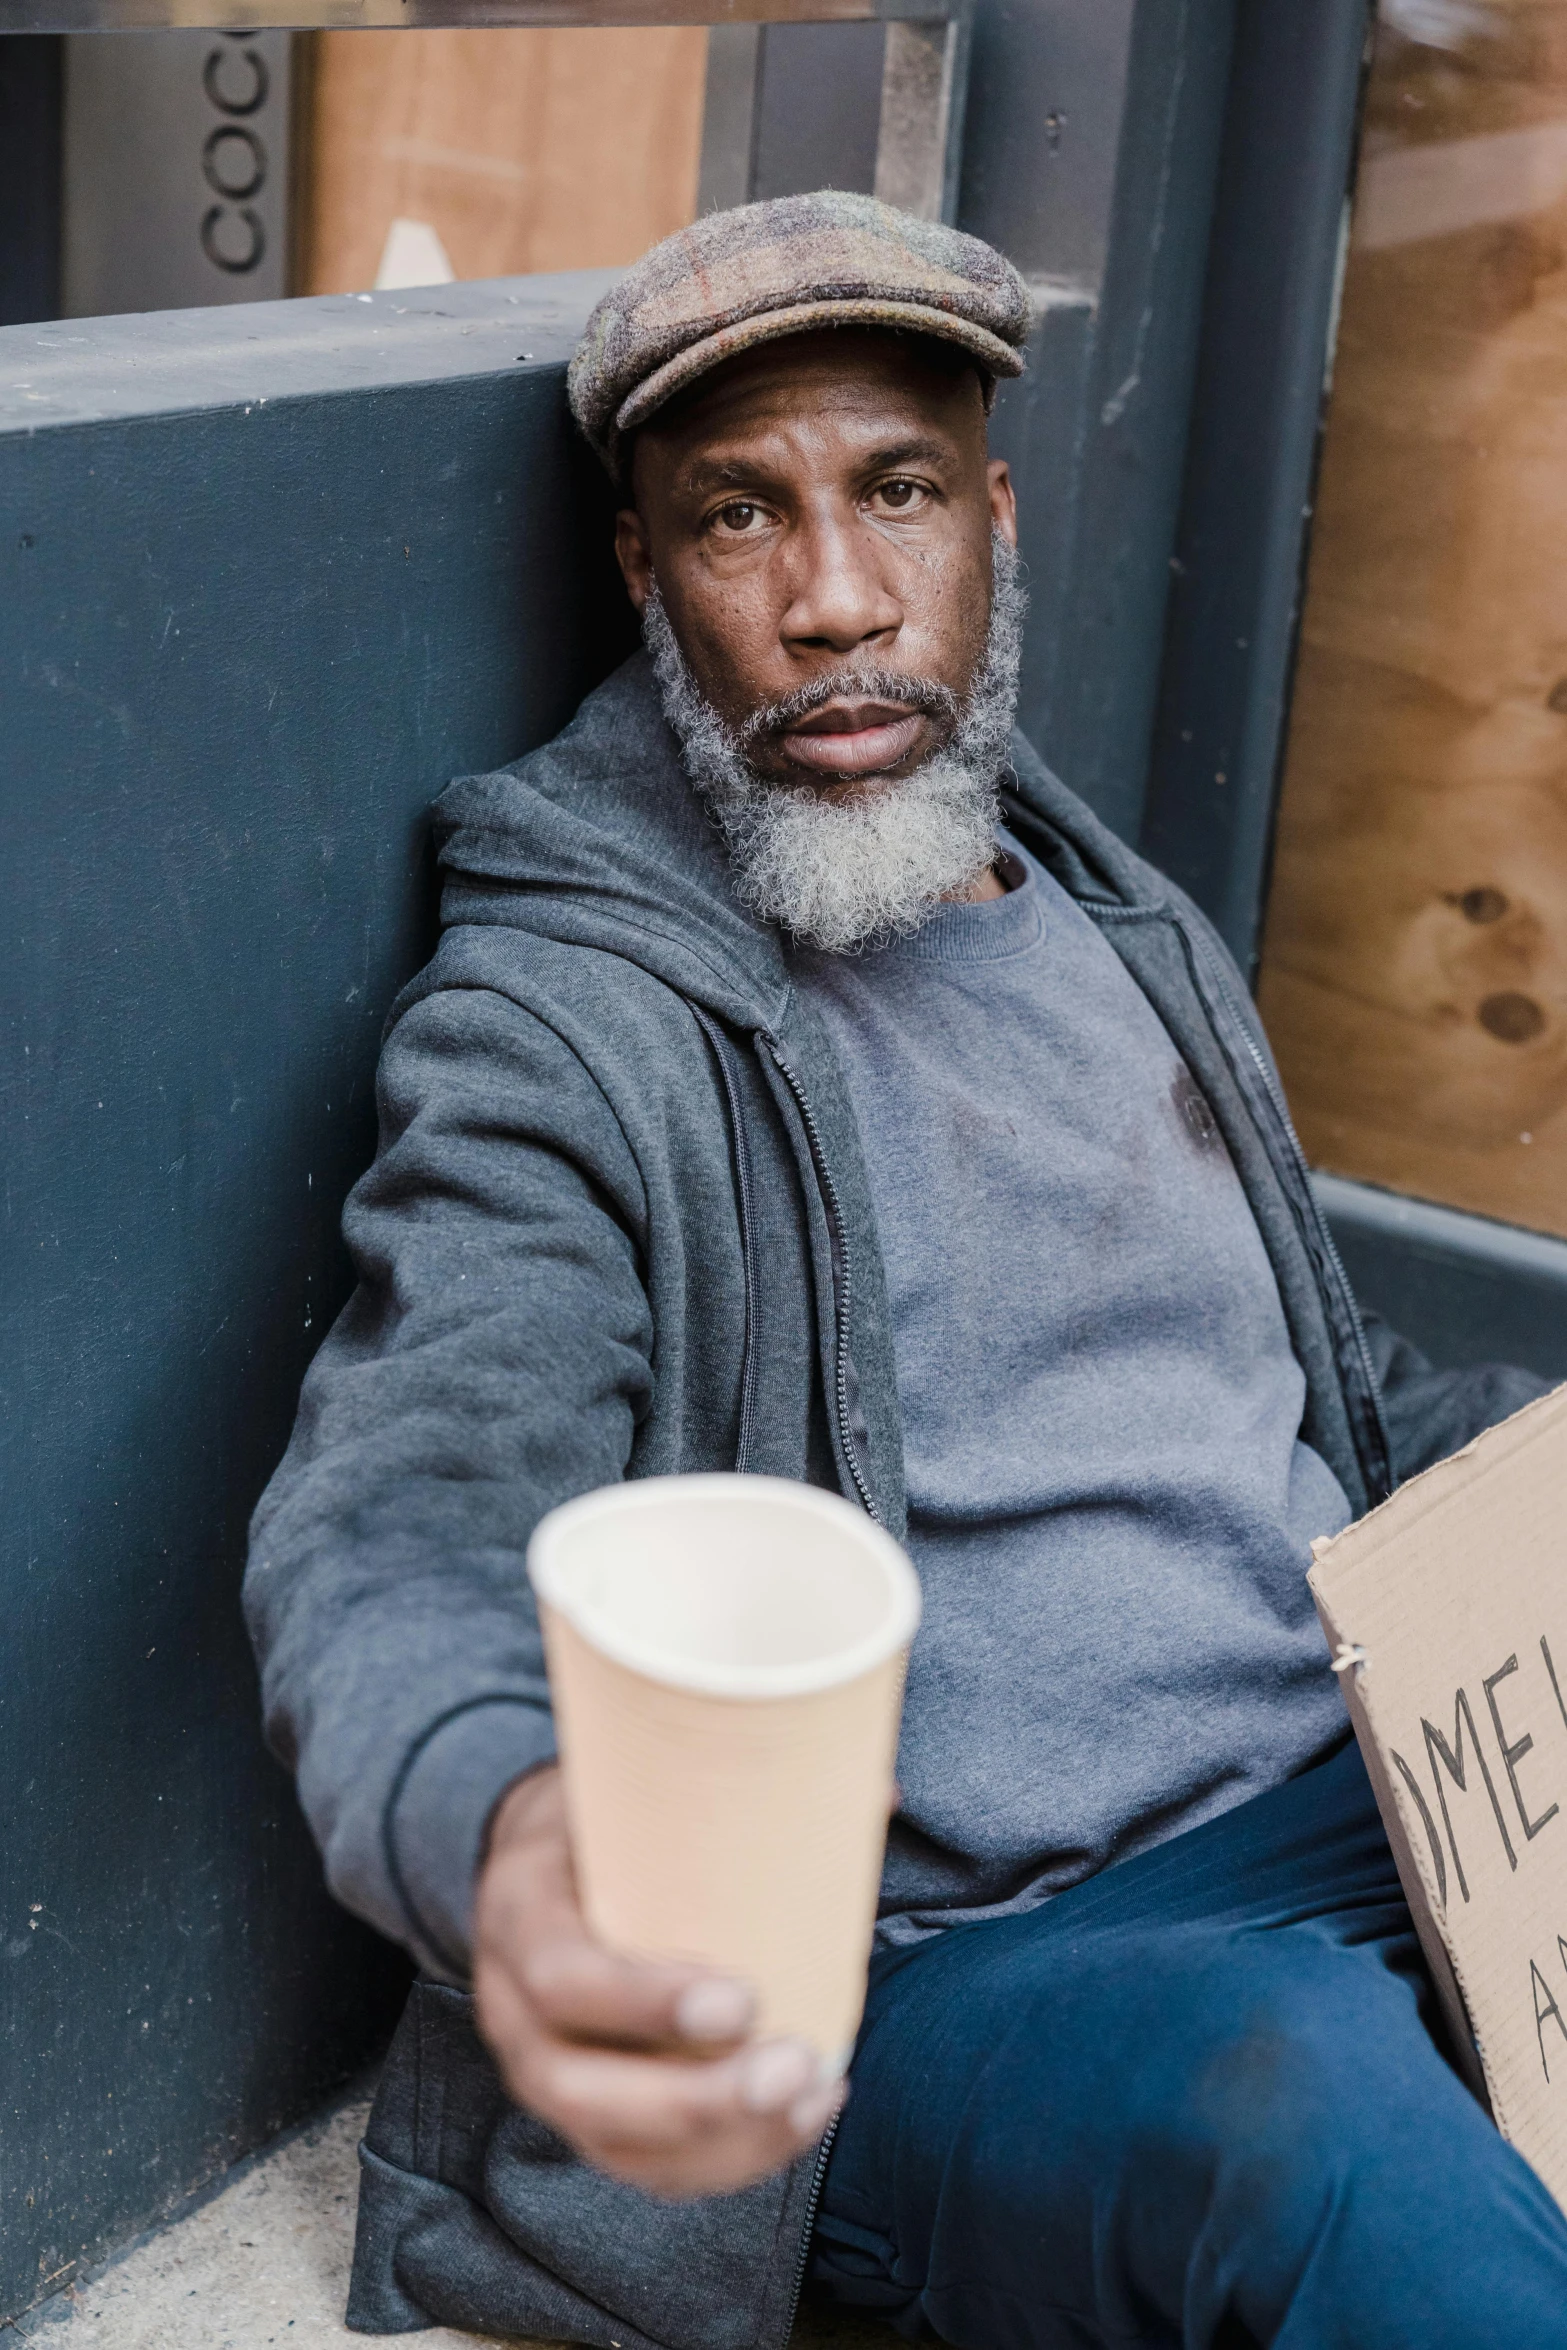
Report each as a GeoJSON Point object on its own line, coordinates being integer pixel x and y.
{"type": "Point", "coordinates": [1415, 967]}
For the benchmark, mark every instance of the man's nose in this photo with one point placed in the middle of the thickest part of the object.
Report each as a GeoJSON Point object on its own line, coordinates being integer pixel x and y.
{"type": "Point", "coordinates": [840, 599]}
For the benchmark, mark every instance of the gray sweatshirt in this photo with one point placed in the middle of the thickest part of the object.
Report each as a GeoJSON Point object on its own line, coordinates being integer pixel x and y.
{"type": "Point", "coordinates": [1110, 1506]}
{"type": "Point", "coordinates": [619, 1223]}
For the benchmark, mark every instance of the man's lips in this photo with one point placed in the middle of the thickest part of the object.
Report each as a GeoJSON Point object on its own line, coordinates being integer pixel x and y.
{"type": "Point", "coordinates": [853, 739]}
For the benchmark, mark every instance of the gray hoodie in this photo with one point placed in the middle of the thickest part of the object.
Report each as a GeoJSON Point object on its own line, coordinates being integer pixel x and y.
{"type": "Point", "coordinates": [618, 1225]}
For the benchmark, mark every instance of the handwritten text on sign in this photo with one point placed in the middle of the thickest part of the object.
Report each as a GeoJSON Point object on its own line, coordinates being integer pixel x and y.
{"type": "Point", "coordinates": [1453, 1764]}
{"type": "Point", "coordinates": [1447, 1612]}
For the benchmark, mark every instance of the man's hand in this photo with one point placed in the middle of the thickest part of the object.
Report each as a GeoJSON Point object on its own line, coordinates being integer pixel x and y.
{"type": "Point", "coordinates": [646, 2069]}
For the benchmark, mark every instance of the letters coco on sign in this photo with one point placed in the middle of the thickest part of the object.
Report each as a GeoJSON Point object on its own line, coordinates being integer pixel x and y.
{"type": "Point", "coordinates": [1446, 1610]}
{"type": "Point", "coordinates": [236, 83]}
{"type": "Point", "coordinates": [176, 170]}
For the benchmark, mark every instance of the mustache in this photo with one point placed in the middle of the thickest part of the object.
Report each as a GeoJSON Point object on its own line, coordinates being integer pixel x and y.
{"type": "Point", "coordinates": [925, 695]}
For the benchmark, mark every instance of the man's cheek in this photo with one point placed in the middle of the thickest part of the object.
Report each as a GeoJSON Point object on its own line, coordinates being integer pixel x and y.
{"type": "Point", "coordinates": [729, 664]}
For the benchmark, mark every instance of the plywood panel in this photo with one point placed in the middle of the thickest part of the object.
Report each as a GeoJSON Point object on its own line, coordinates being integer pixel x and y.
{"type": "Point", "coordinates": [1415, 966]}
{"type": "Point", "coordinates": [522, 150]}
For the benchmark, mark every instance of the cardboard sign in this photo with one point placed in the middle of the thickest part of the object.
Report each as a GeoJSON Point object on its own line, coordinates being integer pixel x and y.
{"type": "Point", "coordinates": [1446, 1610]}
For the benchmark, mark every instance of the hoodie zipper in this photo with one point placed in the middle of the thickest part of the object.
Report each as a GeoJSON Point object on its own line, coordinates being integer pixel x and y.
{"type": "Point", "coordinates": [1382, 1467]}
{"type": "Point", "coordinates": [812, 2201]}
{"type": "Point", "coordinates": [839, 1253]}
{"type": "Point", "coordinates": [724, 1055]}
{"type": "Point", "coordinates": [838, 1244]}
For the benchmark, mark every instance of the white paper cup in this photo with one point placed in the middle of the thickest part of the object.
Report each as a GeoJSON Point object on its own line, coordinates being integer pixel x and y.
{"type": "Point", "coordinates": [726, 1658]}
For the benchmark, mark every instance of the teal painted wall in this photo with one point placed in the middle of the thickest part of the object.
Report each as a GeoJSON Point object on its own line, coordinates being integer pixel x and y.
{"type": "Point", "coordinates": [269, 579]}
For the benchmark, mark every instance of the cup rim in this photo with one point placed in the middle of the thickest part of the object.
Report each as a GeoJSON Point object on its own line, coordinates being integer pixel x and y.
{"type": "Point", "coordinates": [637, 1494]}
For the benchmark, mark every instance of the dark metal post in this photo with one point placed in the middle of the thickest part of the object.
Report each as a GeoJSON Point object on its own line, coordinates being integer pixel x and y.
{"type": "Point", "coordinates": [1092, 157]}
{"type": "Point", "coordinates": [1256, 414]}
{"type": "Point", "coordinates": [31, 99]}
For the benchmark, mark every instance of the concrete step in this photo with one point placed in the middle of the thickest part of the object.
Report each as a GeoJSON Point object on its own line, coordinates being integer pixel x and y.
{"type": "Point", "coordinates": [263, 2265]}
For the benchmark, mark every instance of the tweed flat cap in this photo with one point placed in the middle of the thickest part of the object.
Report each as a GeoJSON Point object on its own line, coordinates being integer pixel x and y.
{"type": "Point", "coordinates": [763, 271]}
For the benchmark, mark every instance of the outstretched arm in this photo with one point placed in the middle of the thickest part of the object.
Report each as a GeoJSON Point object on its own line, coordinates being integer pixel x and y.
{"type": "Point", "coordinates": [494, 1360]}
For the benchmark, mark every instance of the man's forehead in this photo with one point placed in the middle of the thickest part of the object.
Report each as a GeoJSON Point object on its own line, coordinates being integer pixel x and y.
{"type": "Point", "coordinates": [869, 396]}
{"type": "Point", "coordinates": [730, 460]}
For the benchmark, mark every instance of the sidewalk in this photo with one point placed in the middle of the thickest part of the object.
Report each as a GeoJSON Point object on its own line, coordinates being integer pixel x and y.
{"type": "Point", "coordinates": [264, 2263]}
{"type": "Point", "coordinates": [264, 2266]}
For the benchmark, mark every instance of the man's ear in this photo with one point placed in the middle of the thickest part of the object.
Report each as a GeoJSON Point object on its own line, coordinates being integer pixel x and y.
{"type": "Point", "coordinates": [634, 555]}
{"type": "Point", "coordinates": [1003, 500]}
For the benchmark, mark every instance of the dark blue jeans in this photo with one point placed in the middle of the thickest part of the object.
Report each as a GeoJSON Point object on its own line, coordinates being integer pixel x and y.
{"type": "Point", "coordinates": [1197, 2100]}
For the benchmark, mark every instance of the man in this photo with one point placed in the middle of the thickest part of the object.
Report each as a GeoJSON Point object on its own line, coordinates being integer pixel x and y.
{"type": "Point", "coordinates": [806, 1083]}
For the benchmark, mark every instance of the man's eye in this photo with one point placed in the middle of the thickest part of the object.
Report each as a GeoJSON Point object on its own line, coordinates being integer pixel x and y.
{"type": "Point", "coordinates": [899, 495]}
{"type": "Point", "coordinates": [739, 515]}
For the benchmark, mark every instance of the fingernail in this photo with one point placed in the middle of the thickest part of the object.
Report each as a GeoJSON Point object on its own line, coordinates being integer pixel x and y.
{"type": "Point", "coordinates": [774, 2076]}
{"type": "Point", "coordinates": [713, 2010]}
{"type": "Point", "coordinates": [809, 2115]}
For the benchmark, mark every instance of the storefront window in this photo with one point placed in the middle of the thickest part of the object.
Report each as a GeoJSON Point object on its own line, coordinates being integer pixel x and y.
{"type": "Point", "coordinates": [1415, 966]}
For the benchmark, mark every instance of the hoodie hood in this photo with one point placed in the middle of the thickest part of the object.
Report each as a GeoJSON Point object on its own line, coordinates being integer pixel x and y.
{"type": "Point", "coordinates": [600, 839]}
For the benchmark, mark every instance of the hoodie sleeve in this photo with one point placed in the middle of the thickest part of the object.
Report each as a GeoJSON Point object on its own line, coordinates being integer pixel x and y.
{"type": "Point", "coordinates": [495, 1359]}
{"type": "Point", "coordinates": [1432, 1413]}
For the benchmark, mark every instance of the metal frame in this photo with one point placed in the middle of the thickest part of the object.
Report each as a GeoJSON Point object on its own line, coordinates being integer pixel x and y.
{"type": "Point", "coordinates": [31, 112]}
{"type": "Point", "coordinates": [924, 73]}
{"type": "Point", "coordinates": [1097, 432]}
{"type": "Point", "coordinates": [1465, 1289]}
{"type": "Point", "coordinates": [1275, 254]}
{"type": "Point", "coordinates": [140, 231]}
{"type": "Point", "coordinates": [239, 16]}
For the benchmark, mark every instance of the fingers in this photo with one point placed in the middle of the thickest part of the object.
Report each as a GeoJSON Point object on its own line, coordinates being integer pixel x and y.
{"type": "Point", "coordinates": [720, 2166]}
{"type": "Point", "coordinates": [641, 2103]}
{"type": "Point", "coordinates": [579, 1990]}
{"type": "Point", "coordinates": [528, 1924]}
{"type": "Point", "coordinates": [641, 2088]}
{"type": "Point", "coordinates": [684, 2129]}
{"type": "Point", "coordinates": [529, 1921]}
{"type": "Point", "coordinates": [642, 2066]}
{"type": "Point", "coordinates": [673, 2126]}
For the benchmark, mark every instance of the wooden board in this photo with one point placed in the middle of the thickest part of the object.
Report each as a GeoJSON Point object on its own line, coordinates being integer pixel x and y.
{"type": "Point", "coordinates": [522, 150]}
{"type": "Point", "coordinates": [1415, 964]}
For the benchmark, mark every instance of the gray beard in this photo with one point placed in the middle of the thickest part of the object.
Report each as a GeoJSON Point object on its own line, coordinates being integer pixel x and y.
{"type": "Point", "coordinates": [846, 874]}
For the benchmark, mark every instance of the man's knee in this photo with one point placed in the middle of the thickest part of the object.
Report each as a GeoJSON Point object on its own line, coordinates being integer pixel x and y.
{"type": "Point", "coordinates": [1293, 2063]}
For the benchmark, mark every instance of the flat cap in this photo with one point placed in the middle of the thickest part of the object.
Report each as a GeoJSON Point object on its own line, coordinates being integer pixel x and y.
{"type": "Point", "coordinates": [763, 271]}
